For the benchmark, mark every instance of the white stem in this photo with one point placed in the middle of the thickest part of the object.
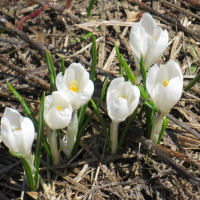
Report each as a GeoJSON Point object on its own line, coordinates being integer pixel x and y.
{"type": "Point", "coordinates": [52, 140]}
{"type": "Point", "coordinates": [157, 127]}
{"type": "Point", "coordinates": [114, 137]}
{"type": "Point", "coordinates": [72, 130]}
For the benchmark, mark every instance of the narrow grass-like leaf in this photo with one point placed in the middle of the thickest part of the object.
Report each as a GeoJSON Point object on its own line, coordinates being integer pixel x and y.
{"type": "Point", "coordinates": [94, 59]}
{"type": "Point", "coordinates": [90, 8]}
{"type": "Point", "coordinates": [81, 115]}
{"type": "Point", "coordinates": [103, 125]}
{"type": "Point", "coordinates": [3, 29]}
{"type": "Point", "coordinates": [120, 60]}
{"type": "Point", "coordinates": [133, 79]}
{"type": "Point", "coordinates": [80, 133]}
{"type": "Point", "coordinates": [150, 110]}
{"type": "Point", "coordinates": [164, 126]}
{"type": "Point", "coordinates": [52, 72]}
{"type": "Point", "coordinates": [87, 35]}
{"type": "Point", "coordinates": [58, 138]}
{"type": "Point", "coordinates": [126, 129]}
{"type": "Point", "coordinates": [144, 74]}
{"type": "Point", "coordinates": [27, 169]}
{"type": "Point", "coordinates": [192, 82]}
{"type": "Point", "coordinates": [62, 66]}
{"type": "Point", "coordinates": [40, 136]}
{"type": "Point", "coordinates": [25, 106]}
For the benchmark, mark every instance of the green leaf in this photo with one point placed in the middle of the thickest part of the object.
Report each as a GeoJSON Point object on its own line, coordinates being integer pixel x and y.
{"type": "Point", "coordinates": [193, 68]}
{"type": "Point", "coordinates": [90, 8]}
{"type": "Point", "coordinates": [120, 60]}
{"type": "Point", "coordinates": [192, 82]}
{"type": "Point", "coordinates": [81, 115]}
{"type": "Point", "coordinates": [164, 126]}
{"type": "Point", "coordinates": [27, 169]}
{"type": "Point", "coordinates": [25, 106]}
{"type": "Point", "coordinates": [144, 74]}
{"type": "Point", "coordinates": [40, 136]}
{"type": "Point", "coordinates": [3, 29]}
{"type": "Point", "coordinates": [62, 66]}
{"type": "Point", "coordinates": [52, 72]}
{"type": "Point", "coordinates": [103, 125]}
{"type": "Point", "coordinates": [126, 129]}
{"type": "Point", "coordinates": [150, 110]}
{"type": "Point", "coordinates": [133, 79]}
{"type": "Point", "coordinates": [94, 59]}
{"type": "Point", "coordinates": [80, 133]}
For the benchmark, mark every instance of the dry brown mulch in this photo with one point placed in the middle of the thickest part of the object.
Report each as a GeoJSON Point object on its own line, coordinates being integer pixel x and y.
{"type": "Point", "coordinates": [142, 170]}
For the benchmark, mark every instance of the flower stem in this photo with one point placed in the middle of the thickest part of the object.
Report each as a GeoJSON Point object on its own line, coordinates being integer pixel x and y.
{"type": "Point", "coordinates": [157, 127]}
{"type": "Point", "coordinates": [72, 130]}
{"type": "Point", "coordinates": [51, 135]}
{"type": "Point", "coordinates": [114, 137]}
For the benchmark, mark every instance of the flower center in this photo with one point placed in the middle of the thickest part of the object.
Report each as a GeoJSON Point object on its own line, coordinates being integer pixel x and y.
{"type": "Point", "coordinates": [74, 88]}
{"type": "Point", "coordinates": [166, 83]}
{"type": "Point", "coordinates": [59, 108]}
{"type": "Point", "coordinates": [123, 96]}
{"type": "Point", "coordinates": [16, 129]}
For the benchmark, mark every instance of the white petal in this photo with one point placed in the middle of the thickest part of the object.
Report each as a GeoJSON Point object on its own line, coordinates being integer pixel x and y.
{"type": "Point", "coordinates": [160, 47]}
{"type": "Point", "coordinates": [150, 80]}
{"type": "Point", "coordinates": [156, 33]}
{"type": "Point", "coordinates": [69, 77]}
{"type": "Point", "coordinates": [60, 83]}
{"type": "Point", "coordinates": [113, 86]}
{"type": "Point", "coordinates": [78, 69]}
{"type": "Point", "coordinates": [7, 134]}
{"type": "Point", "coordinates": [118, 110]}
{"type": "Point", "coordinates": [148, 23]}
{"type": "Point", "coordinates": [56, 119]}
{"type": "Point", "coordinates": [28, 133]}
{"type": "Point", "coordinates": [47, 103]}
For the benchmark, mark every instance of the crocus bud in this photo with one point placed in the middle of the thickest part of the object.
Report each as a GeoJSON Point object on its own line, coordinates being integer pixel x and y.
{"type": "Point", "coordinates": [17, 132]}
{"type": "Point", "coordinates": [165, 85]}
{"type": "Point", "coordinates": [57, 110]}
{"type": "Point", "coordinates": [122, 99]}
{"type": "Point", "coordinates": [75, 84]}
{"type": "Point", "coordinates": [149, 40]}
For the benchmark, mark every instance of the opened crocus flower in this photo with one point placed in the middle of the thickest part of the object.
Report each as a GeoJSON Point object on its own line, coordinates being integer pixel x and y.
{"type": "Point", "coordinates": [75, 84]}
{"type": "Point", "coordinates": [17, 132]}
{"type": "Point", "coordinates": [57, 110]}
{"type": "Point", "coordinates": [149, 40]}
{"type": "Point", "coordinates": [122, 99]}
{"type": "Point", "coordinates": [165, 85]}
{"type": "Point", "coordinates": [57, 115]}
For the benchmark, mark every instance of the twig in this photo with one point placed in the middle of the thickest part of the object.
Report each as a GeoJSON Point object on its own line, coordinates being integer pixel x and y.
{"type": "Point", "coordinates": [33, 79]}
{"type": "Point", "coordinates": [65, 12]}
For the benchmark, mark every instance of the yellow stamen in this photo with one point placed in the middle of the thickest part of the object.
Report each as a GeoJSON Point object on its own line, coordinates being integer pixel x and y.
{"type": "Point", "coordinates": [118, 96]}
{"type": "Point", "coordinates": [74, 88]}
{"type": "Point", "coordinates": [59, 108]}
{"type": "Point", "coordinates": [166, 83]}
{"type": "Point", "coordinates": [124, 96]}
{"type": "Point", "coordinates": [16, 129]}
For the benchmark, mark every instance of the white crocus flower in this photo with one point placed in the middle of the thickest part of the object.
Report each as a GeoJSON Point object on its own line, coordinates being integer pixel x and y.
{"type": "Point", "coordinates": [148, 39]}
{"type": "Point", "coordinates": [165, 85]}
{"type": "Point", "coordinates": [75, 84]}
{"type": "Point", "coordinates": [57, 114]}
{"type": "Point", "coordinates": [17, 132]}
{"type": "Point", "coordinates": [57, 110]}
{"type": "Point", "coordinates": [122, 99]}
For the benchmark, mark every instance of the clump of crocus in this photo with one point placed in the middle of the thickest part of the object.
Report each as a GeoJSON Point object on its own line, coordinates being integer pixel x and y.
{"type": "Point", "coordinates": [78, 89]}
{"type": "Point", "coordinates": [17, 132]}
{"type": "Point", "coordinates": [57, 115]}
{"type": "Point", "coordinates": [122, 99]}
{"type": "Point", "coordinates": [149, 40]}
{"type": "Point", "coordinates": [165, 85]}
